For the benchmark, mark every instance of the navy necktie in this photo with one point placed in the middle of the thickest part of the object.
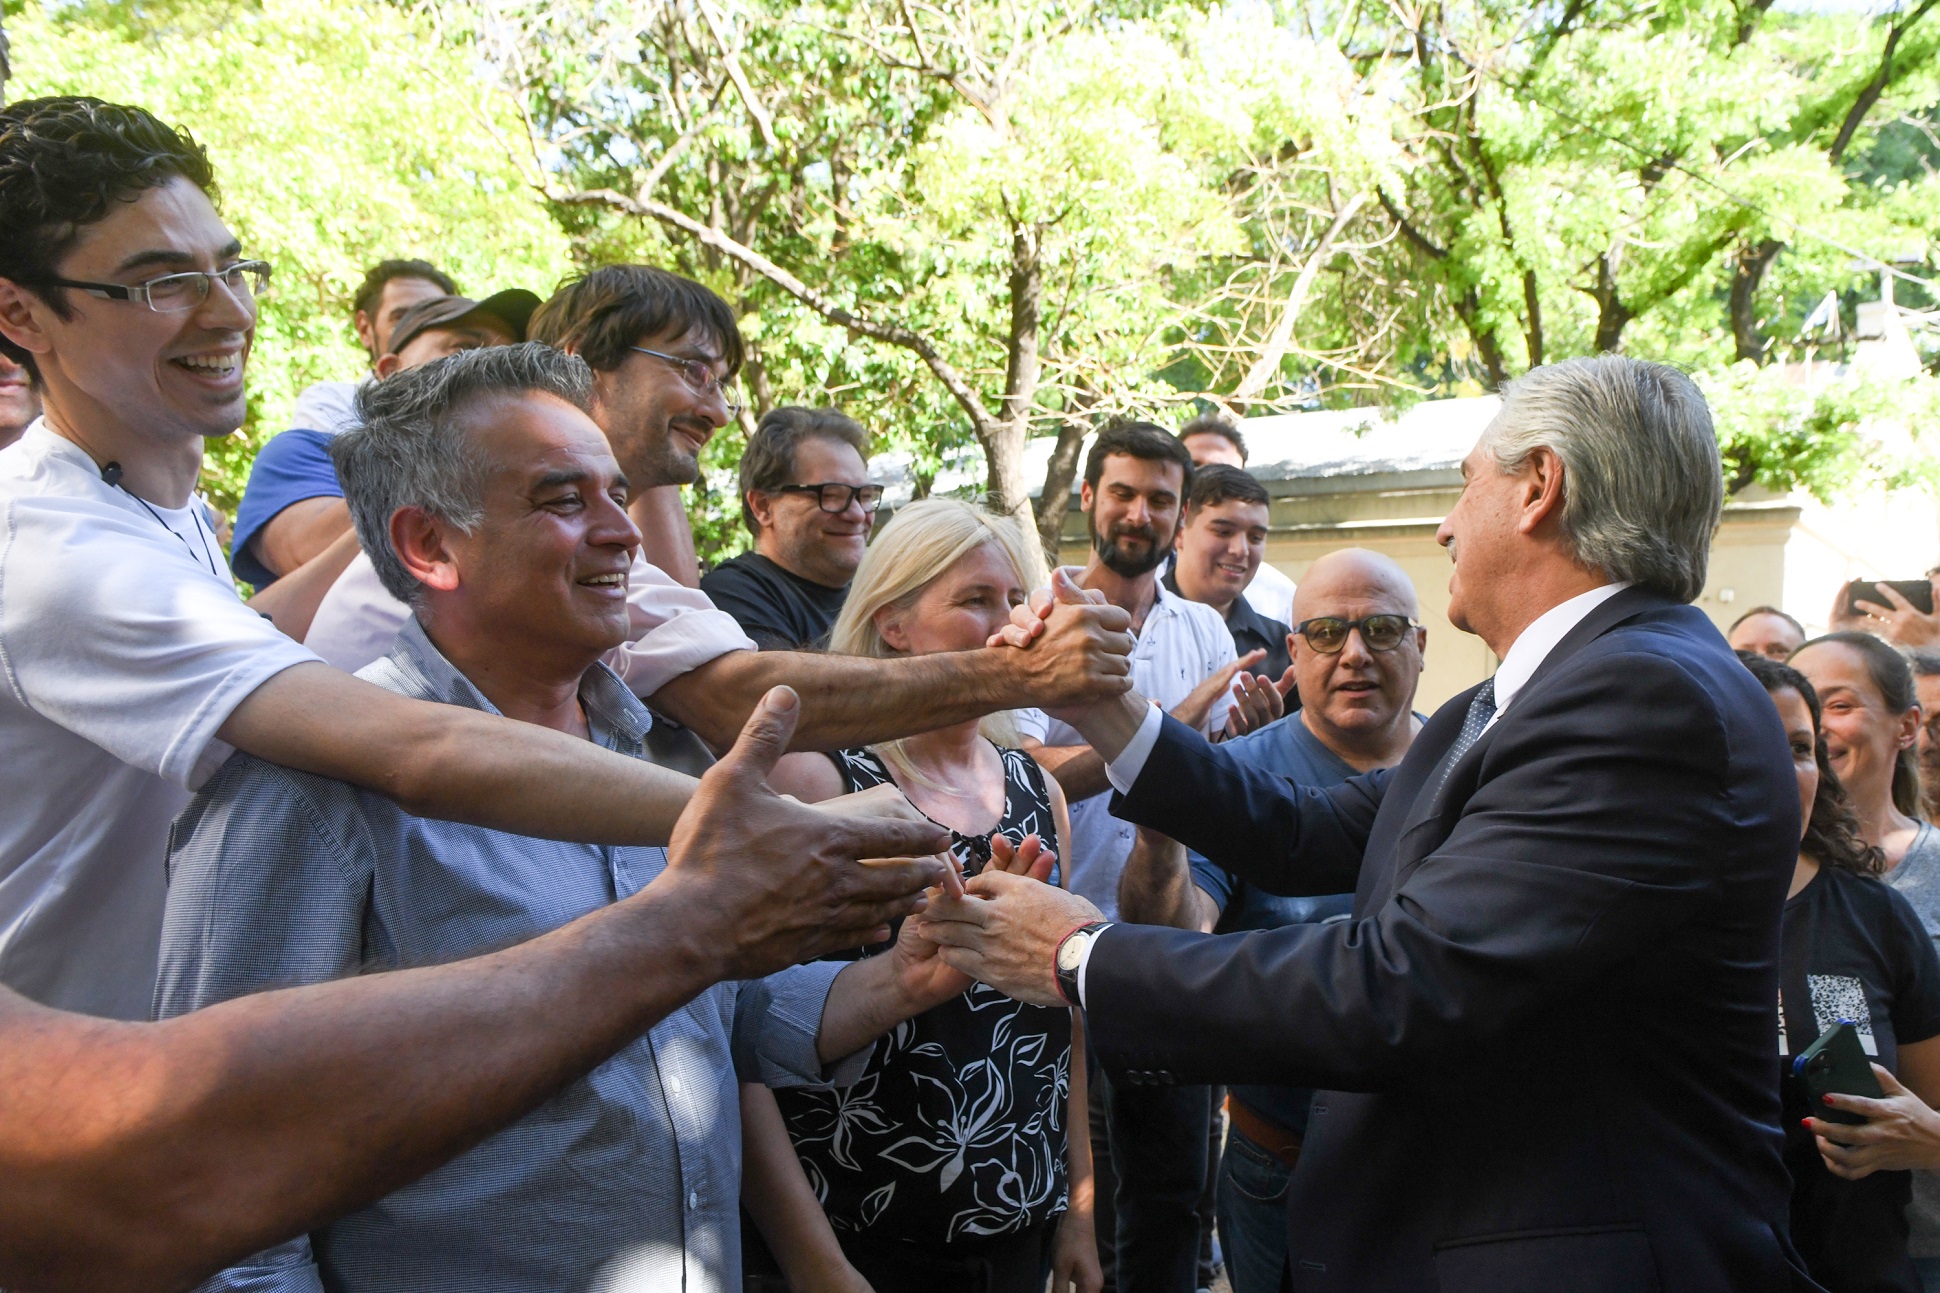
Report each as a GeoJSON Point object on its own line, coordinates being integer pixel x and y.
{"type": "Point", "coordinates": [1481, 708]}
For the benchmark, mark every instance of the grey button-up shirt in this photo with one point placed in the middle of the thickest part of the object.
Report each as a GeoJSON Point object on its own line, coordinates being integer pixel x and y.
{"type": "Point", "coordinates": [278, 877]}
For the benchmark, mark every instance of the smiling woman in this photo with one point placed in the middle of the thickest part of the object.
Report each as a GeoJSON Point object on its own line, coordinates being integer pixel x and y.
{"type": "Point", "coordinates": [959, 1160]}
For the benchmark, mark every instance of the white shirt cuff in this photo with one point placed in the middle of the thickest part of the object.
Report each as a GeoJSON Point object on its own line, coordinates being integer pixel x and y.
{"type": "Point", "coordinates": [1123, 770]}
{"type": "Point", "coordinates": [1084, 961]}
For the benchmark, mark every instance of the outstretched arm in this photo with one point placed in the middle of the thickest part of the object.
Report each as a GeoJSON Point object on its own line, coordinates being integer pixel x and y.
{"type": "Point", "coordinates": [144, 1156]}
{"type": "Point", "coordinates": [459, 764]}
{"type": "Point", "coordinates": [1083, 655]}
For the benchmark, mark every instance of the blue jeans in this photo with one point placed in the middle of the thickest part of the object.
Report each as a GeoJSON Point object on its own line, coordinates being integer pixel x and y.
{"type": "Point", "coordinates": [1252, 1212]}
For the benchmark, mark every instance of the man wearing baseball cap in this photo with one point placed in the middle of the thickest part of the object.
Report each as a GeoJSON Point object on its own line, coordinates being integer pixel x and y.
{"type": "Point", "coordinates": [274, 534]}
{"type": "Point", "coordinates": [445, 325]}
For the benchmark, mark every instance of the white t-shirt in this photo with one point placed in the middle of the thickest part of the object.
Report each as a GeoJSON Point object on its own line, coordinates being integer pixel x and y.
{"type": "Point", "coordinates": [674, 629]}
{"type": "Point", "coordinates": [121, 654]}
{"type": "Point", "coordinates": [1180, 644]}
{"type": "Point", "coordinates": [327, 406]}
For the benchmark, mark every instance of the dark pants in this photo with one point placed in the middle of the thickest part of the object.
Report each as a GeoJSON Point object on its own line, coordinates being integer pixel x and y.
{"type": "Point", "coordinates": [1019, 1263]}
{"type": "Point", "coordinates": [1153, 1140]}
{"type": "Point", "coordinates": [1252, 1214]}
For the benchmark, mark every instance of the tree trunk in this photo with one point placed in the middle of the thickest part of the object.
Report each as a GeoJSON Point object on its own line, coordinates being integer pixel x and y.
{"type": "Point", "coordinates": [1612, 315]}
{"type": "Point", "coordinates": [1004, 442]}
{"type": "Point", "coordinates": [6, 68]}
{"type": "Point", "coordinates": [1059, 474]}
{"type": "Point", "coordinates": [1533, 330]}
{"type": "Point", "coordinates": [1753, 262]}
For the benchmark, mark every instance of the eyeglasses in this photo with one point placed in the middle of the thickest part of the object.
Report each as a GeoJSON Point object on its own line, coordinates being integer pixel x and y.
{"type": "Point", "coordinates": [1327, 634]}
{"type": "Point", "coordinates": [175, 293]}
{"type": "Point", "coordinates": [831, 497]}
{"type": "Point", "coordinates": [699, 377]}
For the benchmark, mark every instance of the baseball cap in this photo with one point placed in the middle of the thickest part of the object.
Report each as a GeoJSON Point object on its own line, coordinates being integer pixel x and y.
{"type": "Point", "coordinates": [511, 309]}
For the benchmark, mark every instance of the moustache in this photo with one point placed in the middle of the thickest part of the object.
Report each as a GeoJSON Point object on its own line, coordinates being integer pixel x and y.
{"type": "Point", "coordinates": [1146, 532]}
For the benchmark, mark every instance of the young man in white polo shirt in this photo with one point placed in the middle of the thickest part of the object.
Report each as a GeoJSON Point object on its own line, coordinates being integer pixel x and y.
{"type": "Point", "coordinates": [1154, 1140]}
{"type": "Point", "coordinates": [130, 667]}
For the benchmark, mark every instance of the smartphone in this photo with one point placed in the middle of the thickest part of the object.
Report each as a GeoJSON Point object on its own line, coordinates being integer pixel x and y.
{"type": "Point", "coordinates": [1917, 591]}
{"type": "Point", "coordinates": [1837, 1064]}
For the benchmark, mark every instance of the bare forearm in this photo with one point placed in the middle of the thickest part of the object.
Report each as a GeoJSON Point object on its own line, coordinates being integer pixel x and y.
{"type": "Point", "coordinates": [1078, 1120]}
{"type": "Point", "coordinates": [297, 534]}
{"type": "Point", "coordinates": [666, 534]}
{"type": "Point", "coordinates": [1110, 724]}
{"type": "Point", "coordinates": [291, 602]}
{"type": "Point", "coordinates": [776, 1192]}
{"type": "Point", "coordinates": [144, 1156]}
{"type": "Point", "coordinates": [864, 1002]}
{"type": "Point", "coordinates": [1156, 887]}
{"type": "Point", "coordinates": [847, 700]}
{"type": "Point", "coordinates": [448, 762]}
{"type": "Point", "coordinates": [1079, 771]}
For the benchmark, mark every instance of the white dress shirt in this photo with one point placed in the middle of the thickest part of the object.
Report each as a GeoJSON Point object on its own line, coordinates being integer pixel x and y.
{"type": "Point", "coordinates": [1526, 654]}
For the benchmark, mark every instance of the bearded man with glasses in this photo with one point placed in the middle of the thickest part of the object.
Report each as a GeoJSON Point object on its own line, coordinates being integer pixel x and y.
{"type": "Point", "coordinates": [807, 500]}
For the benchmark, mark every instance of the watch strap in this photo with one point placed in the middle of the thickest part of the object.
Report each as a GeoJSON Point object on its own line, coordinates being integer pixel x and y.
{"type": "Point", "coordinates": [1068, 979]}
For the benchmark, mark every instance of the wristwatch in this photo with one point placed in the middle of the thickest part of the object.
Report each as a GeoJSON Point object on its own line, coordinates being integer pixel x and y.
{"type": "Point", "coordinates": [1071, 955]}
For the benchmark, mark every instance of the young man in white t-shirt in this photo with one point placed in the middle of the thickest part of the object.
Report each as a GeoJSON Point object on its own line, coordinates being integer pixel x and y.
{"type": "Point", "coordinates": [131, 668]}
{"type": "Point", "coordinates": [1153, 1140]}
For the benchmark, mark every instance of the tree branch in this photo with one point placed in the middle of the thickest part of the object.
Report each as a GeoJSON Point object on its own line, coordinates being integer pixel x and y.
{"type": "Point", "coordinates": [719, 242]}
{"type": "Point", "coordinates": [1268, 363]}
{"type": "Point", "coordinates": [1869, 94]}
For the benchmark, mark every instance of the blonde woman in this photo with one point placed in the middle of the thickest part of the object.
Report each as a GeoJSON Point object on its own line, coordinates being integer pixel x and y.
{"type": "Point", "coordinates": [950, 1165]}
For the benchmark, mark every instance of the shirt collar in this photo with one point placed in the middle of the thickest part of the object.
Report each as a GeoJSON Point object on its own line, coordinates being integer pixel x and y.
{"type": "Point", "coordinates": [611, 710]}
{"type": "Point", "coordinates": [1240, 615]}
{"type": "Point", "coordinates": [1532, 647]}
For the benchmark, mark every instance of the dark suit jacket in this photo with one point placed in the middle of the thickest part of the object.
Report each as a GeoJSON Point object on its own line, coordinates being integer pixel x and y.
{"type": "Point", "coordinates": [1546, 1041]}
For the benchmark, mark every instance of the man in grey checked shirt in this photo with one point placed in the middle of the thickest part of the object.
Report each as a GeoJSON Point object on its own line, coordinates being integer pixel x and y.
{"type": "Point", "coordinates": [491, 502]}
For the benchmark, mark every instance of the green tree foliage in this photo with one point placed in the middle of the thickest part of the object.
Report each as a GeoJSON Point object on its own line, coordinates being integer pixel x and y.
{"type": "Point", "coordinates": [973, 223]}
{"type": "Point", "coordinates": [341, 133]}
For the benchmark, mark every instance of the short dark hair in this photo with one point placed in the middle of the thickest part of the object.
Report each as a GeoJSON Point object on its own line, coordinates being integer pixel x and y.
{"type": "Point", "coordinates": [1218, 482]}
{"type": "Point", "coordinates": [604, 311]}
{"type": "Point", "coordinates": [1136, 440]}
{"type": "Point", "coordinates": [1213, 424]}
{"type": "Point", "coordinates": [1892, 678]}
{"type": "Point", "coordinates": [410, 448]}
{"type": "Point", "coordinates": [768, 462]}
{"type": "Point", "coordinates": [1832, 831]}
{"type": "Point", "coordinates": [371, 290]}
{"type": "Point", "coordinates": [65, 162]}
{"type": "Point", "coordinates": [1925, 662]}
{"type": "Point", "coordinates": [1766, 610]}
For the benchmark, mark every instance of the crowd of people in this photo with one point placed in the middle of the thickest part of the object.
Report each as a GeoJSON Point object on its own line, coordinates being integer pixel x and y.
{"type": "Point", "coordinates": [494, 900]}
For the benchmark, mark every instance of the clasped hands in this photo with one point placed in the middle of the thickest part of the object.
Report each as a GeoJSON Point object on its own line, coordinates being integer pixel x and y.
{"type": "Point", "coordinates": [1257, 699]}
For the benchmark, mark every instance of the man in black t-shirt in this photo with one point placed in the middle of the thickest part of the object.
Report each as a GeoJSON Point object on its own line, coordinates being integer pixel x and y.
{"type": "Point", "coordinates": [806, 498]}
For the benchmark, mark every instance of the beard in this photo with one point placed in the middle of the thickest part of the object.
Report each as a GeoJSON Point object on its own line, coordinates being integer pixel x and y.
{"type": "Point", "coordinates": [1128, 563]}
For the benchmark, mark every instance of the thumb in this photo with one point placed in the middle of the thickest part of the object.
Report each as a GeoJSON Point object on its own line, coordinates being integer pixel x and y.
{"type": "Point", "coordinates": [1888, 1083]}
{"type": "Point", "coordinates": [1223, 676]}
{"type": "Point", "coordinates": [764, 737]}
{"type": "Point", "coordinates": [1287, 682]}
{"type": "Point", "coordinates": [1065, 589]}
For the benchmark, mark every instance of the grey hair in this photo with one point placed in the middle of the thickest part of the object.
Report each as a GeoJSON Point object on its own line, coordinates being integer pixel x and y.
{"type": "Point", "coordinates": [1642, 484]}
{"type": "Point", "coordinates": [410, 448]}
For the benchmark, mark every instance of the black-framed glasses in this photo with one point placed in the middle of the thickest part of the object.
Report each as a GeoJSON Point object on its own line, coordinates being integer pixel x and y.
{"type": "Point", "coordinates": [175, 293]}
{"type": "Point", "coordinates": [1327, 634]}
{"type": "Point", "coordinates": [833, 497]}
{"type": "Point", "coordinates": [699, 377]}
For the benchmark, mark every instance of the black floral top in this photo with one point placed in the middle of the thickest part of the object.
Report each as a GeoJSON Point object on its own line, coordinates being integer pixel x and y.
{"type": "Point", "coordinates": [957, 1126]}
